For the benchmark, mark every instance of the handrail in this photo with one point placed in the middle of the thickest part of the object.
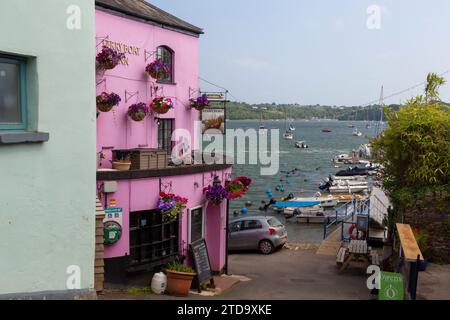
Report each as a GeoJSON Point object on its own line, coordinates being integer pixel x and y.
{"type": "Point", "coordinates": [336, 220]}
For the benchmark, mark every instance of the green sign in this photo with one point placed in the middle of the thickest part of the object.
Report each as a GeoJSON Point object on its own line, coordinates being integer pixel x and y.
{"type": "Point", "coordinates": [391, 286]}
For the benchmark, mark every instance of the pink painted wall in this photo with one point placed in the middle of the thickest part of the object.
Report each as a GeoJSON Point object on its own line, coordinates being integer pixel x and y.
{"type": "Point", "coordinates": [114, 129]}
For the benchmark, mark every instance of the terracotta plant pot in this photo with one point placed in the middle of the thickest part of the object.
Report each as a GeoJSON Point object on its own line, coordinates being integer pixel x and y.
{"type": "Point", "coordinates": [121, 166]}
{"type": "Point", "coordinates": [179, 283]}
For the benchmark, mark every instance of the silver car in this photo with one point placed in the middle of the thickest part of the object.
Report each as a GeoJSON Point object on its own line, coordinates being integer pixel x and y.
{"type": "Point", "coordinates": [259, 232]}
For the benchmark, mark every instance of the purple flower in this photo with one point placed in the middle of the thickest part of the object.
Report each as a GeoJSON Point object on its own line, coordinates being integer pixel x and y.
{"type": "Point", "coordinates": [110, 99]}
{"type": "Point", "coordinates": [108, 58]}
{"type": "Point", "coordinates": [216, 193]}
{"type": "Point", "coordinates": [157, 69]}
{"type": "Point", "coordinates": [139, 107]}
{"type": "Point", "coordinates": [201, 102]}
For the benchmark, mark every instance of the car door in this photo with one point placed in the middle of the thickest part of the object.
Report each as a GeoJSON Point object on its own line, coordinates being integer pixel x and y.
{"type": "Point", "coordinates": [250, 234]}
{"type": "Point", "coordinates": [234, 240]}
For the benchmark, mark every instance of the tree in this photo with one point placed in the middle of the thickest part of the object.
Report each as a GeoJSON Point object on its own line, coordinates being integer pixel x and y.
{"type": "Point", "coordinates": [415, 148]}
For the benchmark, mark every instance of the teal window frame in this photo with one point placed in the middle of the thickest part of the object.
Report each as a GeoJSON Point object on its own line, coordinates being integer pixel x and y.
{"type": "Point", "coordinates": [22, 93]}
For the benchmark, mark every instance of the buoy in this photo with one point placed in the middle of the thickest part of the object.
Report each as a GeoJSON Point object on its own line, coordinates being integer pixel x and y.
{"type": "Point", "coordinates": [244, 210]}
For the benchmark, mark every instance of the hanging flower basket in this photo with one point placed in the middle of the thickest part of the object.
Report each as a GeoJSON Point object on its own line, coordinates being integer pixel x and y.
{"type": "Point", "coordinates": [161, 105]}
{"type": "Point", "coordinates": [138, 111]}
{"type": "Point", "coordinates": [157, 69]}
{"type": "Point", "coordinates": [238, 187]}
{"type": "Point", "coordinates": [108, 58]}
{"type": "Point", "coordinates": [216, 193]}
{"type": "Point", "coordinates": [171, 206]}
{"type": "Point", "coordinates": [200, 103]}
{"type": "Point", "coordinates": [106, 101]}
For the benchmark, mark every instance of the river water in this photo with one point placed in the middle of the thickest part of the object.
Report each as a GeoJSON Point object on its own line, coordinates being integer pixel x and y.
{"type": "Point", "coordinates": [313, 164]}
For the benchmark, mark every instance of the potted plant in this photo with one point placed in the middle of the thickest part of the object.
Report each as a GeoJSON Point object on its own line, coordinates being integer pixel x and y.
{"type": "Point", "coordinates": [108, 58]}
{"type": "Point", "coordinates": [171, 206]}
{"type": "Point", "coordinates": [123, 163]}
{"type": "Point", "coordinates": [106, 101]}
{"type": "Point", "coordinates": [179, 278]}
{"type": "Point", "coordinates": [138, 111]}
{"type": "Point", "coordinates": [238, 187]}
{"type": "Point", "coordinates": [161, 105]}
{"type": "Point", "coordinates": [216, 193]}
{"type": "Point", "coordinates": [200, 103]}
{"type": "Point", "coordinates": [157, 69]}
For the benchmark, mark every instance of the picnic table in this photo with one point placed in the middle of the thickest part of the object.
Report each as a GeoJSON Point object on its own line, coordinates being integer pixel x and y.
{"type": "Point", "coordinates": [356, 252]}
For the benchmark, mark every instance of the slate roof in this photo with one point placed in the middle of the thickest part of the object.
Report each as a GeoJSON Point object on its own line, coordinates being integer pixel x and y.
{"type": "Point", "coordinates": [144, 10]}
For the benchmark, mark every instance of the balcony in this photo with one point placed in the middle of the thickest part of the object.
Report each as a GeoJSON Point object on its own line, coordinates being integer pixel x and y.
{"type": "Point", "coordinates": [170, 171]}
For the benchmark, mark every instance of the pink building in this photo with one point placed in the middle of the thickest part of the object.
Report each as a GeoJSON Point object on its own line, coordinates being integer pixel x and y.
{"type": "Point", "coordinates": [144, 33]}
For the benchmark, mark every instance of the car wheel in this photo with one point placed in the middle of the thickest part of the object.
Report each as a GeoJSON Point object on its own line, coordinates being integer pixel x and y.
{"type": "Point", "coordinates": [266, 247]}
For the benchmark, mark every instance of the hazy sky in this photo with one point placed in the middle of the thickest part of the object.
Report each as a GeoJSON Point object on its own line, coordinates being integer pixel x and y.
{"type": "Point", "coordinates": [319, 52]}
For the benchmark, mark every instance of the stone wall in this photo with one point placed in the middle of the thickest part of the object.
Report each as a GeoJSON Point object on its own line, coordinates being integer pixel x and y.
{"type": "Point", "coordinates": [432, 215]}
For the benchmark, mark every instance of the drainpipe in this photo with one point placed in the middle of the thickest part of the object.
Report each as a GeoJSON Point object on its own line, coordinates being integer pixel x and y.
{"type": "Point", "coordinates": [226, 236]}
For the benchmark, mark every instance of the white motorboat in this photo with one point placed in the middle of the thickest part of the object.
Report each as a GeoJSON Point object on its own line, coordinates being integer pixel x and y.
{"type": "Point", "coordinates": [288, 135]}
{"type": "Point", "coordinates": [262, 130]}
{"type": "Point", "coordinates": [342, 158]}
{"type": "Point", "coordinates": [348, 188]}
{"type": "Point", "coordinates": [301, 145]}
{"type": "Point", "coordinates": [346, 178]}
{"type": "Point", "coordinates": [357, 133]}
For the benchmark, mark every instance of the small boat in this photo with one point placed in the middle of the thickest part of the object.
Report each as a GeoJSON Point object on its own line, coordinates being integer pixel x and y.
{"type": "Point", "coordinates": [301, 145]}
{"type": "Point", "coordinates": [325, 202]}
{"type": "Point", "coordinates": [357, 133]}
{"type": "Point", "coordinates": [262, 130]}
{"type": "Point", "coordinates": [353, 172]}
{"type": "Point", "coordinates": [326, 130]}
{"type": "Point", "coordinates": [342, 158]}
{"type": "Point", "coordinates": [288, 135]}
{"type": "Point", "coordinates": [348, 189]}
{"type": "Point", "coordinates": [291, 127]}
{"type": "Point", "coordinates": [351, 125]}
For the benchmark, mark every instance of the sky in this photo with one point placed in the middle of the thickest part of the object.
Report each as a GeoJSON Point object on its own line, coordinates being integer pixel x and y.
{"type": "Point", "coordinates": [319, 52]}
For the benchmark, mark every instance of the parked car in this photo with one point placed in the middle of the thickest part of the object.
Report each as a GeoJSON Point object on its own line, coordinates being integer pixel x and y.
{"type": "Point", "coordinates": [263, 233]}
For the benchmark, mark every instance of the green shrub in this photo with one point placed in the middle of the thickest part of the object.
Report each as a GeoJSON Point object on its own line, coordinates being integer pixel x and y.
{"type": "Point", "coordinates": [179, 267]}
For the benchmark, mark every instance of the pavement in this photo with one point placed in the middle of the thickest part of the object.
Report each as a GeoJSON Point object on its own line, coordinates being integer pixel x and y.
{"type": "Point", "coordinates": [287, 274]}
{"type": "Point", "coordinates": [434, 283]}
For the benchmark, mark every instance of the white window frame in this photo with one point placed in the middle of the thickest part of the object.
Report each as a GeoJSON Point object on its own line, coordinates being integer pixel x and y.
{"type": "Point", "coordinates": [190, 220]}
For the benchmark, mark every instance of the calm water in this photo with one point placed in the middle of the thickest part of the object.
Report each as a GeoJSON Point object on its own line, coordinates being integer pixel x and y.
{"type": "Point", "coordinates": [314, 164]}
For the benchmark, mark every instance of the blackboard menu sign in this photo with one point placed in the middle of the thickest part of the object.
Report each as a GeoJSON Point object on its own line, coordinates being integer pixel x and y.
{"type": "Point", "coordinates": [202, 264]}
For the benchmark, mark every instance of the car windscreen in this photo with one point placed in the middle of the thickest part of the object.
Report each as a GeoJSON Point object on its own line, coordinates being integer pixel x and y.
{"type": "Point", "coordinates": [274, 222]}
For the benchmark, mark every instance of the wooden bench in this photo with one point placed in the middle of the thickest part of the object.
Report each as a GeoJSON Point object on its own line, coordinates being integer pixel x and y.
{"type": "Point", "coordinates": [341, 256]}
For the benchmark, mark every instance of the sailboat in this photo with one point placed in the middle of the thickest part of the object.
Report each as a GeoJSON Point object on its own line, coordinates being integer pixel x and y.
{"type": "Point", "coordinates": [291, 127]}
{"type": "Point", "coordinates": [262, 129]}
{"type": "Point", "coordinates": [288, 135]}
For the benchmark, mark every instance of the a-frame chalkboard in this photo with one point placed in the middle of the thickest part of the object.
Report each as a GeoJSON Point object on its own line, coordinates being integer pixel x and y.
{"type": "Point", "coordinates": [199, 251]}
